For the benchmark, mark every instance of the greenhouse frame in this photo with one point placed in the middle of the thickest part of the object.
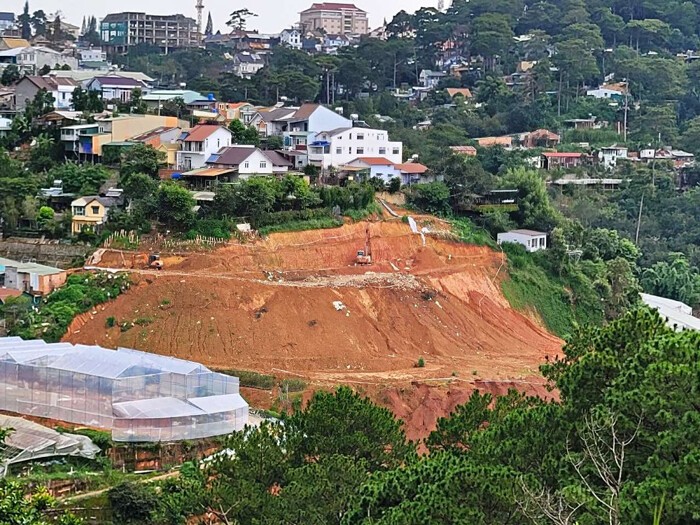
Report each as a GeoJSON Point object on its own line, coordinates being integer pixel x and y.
{"type": "Point", "coordinates": [138, 396]}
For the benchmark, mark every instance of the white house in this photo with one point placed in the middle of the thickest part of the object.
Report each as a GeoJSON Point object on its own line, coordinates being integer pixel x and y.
{"type": "Point", "coordinates": [605, 93]}
{"type": "Point", "coordinates": [61, 89]}
{"type": "Point", "coordinates": [291, 38]}
{"type": "Point", "coordinates": [249, 161]}
{"type": "Point", "coordinates": [679, 316]}
{"type": "Point", "coordinates": [430, 79]}
{"type": "Point", "coordinates": [609, 156]}
{"type": "Point", "coordinates": [246, 65]}
{"type": "Point", "coordinates": [370, 167]}
{"type": "Point", "coordinates": [343, 145]}
{"type": "Point", "coordinates": [115, 87]}
{"type": "Point", "coordinates": [33, 59]}
{"type": "Point", "coordinates": [532, 240]}
{"type": "Point", "coordinates": [200, 143]}
{"type": "Point", "coordinates": [93, 55]}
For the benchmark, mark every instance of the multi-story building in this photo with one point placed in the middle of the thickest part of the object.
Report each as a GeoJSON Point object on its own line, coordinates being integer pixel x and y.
{"type": "Point", "coordinates": [200, 143]}
{"type": "Point", "coordinates": [341, 146]}
{"type": "Point", "coordinates": [119, 31]}
{"type": "Point", "coordinates": [32, 59]}
{"type": "Point", "coordinates": [335, 18]}
{"type": "Point", "coordinates": [246, 65]}
{"type": "Point", "coordinates": [291, 38]}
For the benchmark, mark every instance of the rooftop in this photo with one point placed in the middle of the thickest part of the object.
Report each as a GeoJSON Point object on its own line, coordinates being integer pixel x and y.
{"type": "Point", "coordinates": [28, 267]}
{"type": "Point", "coordinates": [202, 132]}
{"type": "Point", "coordinates": [528, 233]}
{"type": "Point", "coordinates": [332, 6]}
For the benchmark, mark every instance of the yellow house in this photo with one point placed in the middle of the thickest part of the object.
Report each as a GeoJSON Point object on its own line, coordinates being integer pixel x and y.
{"type": "Point", "coordinates": [89, 213]}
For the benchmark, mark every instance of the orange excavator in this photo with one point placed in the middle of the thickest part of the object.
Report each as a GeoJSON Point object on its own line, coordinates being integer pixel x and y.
{"type": "Point", "coordinates": [364, 257]}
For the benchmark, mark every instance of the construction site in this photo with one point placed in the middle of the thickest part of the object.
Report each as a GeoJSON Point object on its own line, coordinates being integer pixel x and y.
{"type": "Point", "coordinates": [403, 312]}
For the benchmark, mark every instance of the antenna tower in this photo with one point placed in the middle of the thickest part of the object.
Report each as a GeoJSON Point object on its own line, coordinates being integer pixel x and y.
{"type": "Point", "coordinates": [200, 9]}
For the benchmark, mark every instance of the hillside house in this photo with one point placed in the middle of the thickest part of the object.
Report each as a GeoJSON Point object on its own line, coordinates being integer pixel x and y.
{"type": "Point", "coordinates": [505, 141]}
{"type": "Point", "coordinates": [246, 65]}
{"type": "Point", "coordinates": [200, 143]}
{"type": "Point", "coordinates": [164, 139]}
{"type": "Point", "coordinates": [465, 93]}
{"type": "Point", "coordinates": [90, 213]}
{"type": "Point", "coordinates": [608, 156]}
{"type": "Point", "coordinates": [113, 87]}
{"type": "Point", "coordinates": [408, 173]}
{"type": "Point", "coordinates": [431, 79]}
{"type": "Point", "coordinates": [540, 138]}
{"type": "Point", "coordinates": [32, 278]}
{"type": "Point", "coordinates": [533, 241]}
{"type": "Point", "coordinates": [343, 145]}
{"type": "Point", "coordinates": [552, 160]}
{"type": "Point", "coordinates": [61, 89]}
{"type": "Point", "coordinates": [467, 151]}
{"type": "Point", "coordinates": [243, 111]}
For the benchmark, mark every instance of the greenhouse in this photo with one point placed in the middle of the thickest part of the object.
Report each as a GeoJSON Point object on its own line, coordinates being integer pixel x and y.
{"type": "Point", "coordinates": [137, 395]}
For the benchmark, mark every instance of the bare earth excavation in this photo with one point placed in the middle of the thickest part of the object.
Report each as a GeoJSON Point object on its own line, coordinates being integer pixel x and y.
{"type": "Point", "coordinates": [298, 305]}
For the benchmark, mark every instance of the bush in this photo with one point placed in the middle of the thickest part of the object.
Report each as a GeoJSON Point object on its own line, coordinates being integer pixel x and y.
{"type": "Point", "coordinates": [293, 385]}
{"type": "Point", "coordinates": [132, 502]}
{"type": "Point", "coordinates": [252, 379]}
{"type": "Point", "coordinates": [394, 185]}
{"type": "Point", "coordinates": [433, 197]}
{"type": "Point", "coordinates": [111, 321]}
{"type": "Point", "coordinates": [420, 363]}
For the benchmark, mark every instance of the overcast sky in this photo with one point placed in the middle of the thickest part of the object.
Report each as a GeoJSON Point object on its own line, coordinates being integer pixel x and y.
{"type": "Point", "coordinates": [274, 15]}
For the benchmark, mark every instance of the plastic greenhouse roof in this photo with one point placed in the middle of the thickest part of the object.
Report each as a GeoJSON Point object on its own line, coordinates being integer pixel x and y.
{"type": "Point", "coordinates": [216, 404]}
{"type": "Point", "coordinates": [160, 407]}
{"type": "Point", "coordinates": [94, 360]}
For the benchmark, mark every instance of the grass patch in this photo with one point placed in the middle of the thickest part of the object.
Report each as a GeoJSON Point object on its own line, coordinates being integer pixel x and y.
{"type": "Point", "coordinates": [293, 385]}
{"type": "Point", "coordinates": [470, 233]}
{"type": "Point", "coordinates": [252, 379]}
{"type": "Point", "coordinates": [560, 301]}
{"type": "Point", "coordinates": [373, 208]}
{"type": "Point", "coordinates": [295, 226]}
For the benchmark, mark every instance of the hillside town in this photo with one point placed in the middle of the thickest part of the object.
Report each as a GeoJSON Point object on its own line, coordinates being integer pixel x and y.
{"type": "Point", "coordinates": [441, 266]}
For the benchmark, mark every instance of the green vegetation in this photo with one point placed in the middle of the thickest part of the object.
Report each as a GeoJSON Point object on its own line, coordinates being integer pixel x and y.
{"type": "Point", "coordinates": [507, 459]}
{"type": "Point", "coordinates": [420, 363]}
{"type": "Point", "coordinates": [293, 385]}
{"type": "Point", "coordinates": [82, 292]}
{"type": "Point", "coordinates": [252, 379]}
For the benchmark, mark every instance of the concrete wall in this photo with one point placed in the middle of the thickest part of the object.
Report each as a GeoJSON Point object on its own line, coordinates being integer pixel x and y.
{"type": "Point", "coordinates": [50, 253]}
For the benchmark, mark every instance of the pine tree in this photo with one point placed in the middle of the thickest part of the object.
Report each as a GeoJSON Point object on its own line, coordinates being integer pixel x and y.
{"type": "Point", "coordinates": [83, 28]}
{"type": "Point", "coordinates": [210, 26]}
{"type": "Point", "coordinates": [25, 21]}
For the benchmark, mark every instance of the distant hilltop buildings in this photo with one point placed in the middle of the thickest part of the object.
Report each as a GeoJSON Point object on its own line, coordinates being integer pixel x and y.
{"type": "Point", "coordinates": [335, 19]}
{"type": "Point", "coordinates": [119, 31]}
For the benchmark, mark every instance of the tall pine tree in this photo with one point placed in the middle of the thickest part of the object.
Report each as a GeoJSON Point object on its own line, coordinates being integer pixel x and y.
{"type": "Point", "coordinates": [25, 22]}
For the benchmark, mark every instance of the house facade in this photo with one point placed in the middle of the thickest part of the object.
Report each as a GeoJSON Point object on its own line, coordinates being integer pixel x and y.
{"type": "Point", "coordinates": [243, 111]}
{"type": "Point", "coordinates": [291, 38]}
{"type": "Point", "coordinates": [60, 88]}
{"type": "Point", "coordinates": [32, 278]}
{"type": "Point", "coordinates": [200, 143]}
{"type": "Point", "coordinates": [90, 213]}
{"type": "Point", "coordinates": [609, 156]}
{"type": "Point", "coordinates": [246, 64]}
{"type": "Point", "coordinates": [114, 87]}
{"type": "Point", "coordinates": [533, 241]}
{"type": "Point", "coordinates": [341, 146]}
{"type": "Point", "coordinates": [408, 173]}
{"type": "Point", "coordinates": [561, 160]}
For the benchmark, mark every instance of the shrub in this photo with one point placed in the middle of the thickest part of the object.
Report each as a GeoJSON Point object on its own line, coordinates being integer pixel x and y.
{"type": "Point", "coordinates": [394, 185]}
{"type": "Point", "coordinates": [420, 363]}
{"type": "Point", "coordinates": [132, 502]}
{"type": "Point", "coordinates": [293, 385]}
{"type": "Point", "coordinates": [252, 379]}
{"type": "Point", "coordinates": [111, 321]}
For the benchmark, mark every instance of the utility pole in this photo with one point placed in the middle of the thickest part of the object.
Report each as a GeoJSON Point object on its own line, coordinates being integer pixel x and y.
{"type": "Point", "coordinates": [639, 221]}
{"type": "Point", "coordinates": [627, 107]}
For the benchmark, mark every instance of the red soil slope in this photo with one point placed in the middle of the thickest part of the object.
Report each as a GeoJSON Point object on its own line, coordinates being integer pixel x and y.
{"type": "Point", "coordinates": [270, 307]}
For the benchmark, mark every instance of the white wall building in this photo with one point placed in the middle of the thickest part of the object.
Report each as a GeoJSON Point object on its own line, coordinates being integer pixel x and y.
{"type": "Point", "coordinates": [246, 65]}
{"type": "Point", "coordinates": [93, 55]}
{"type": "Point", "coordinates": [33, 59]}
{"type": "Point", "coordinates": [609, 156]}
{"type": "Point", "coordinates": [200, 143]}
{"type": "Point", "coordinates": [341, 146]}
{"type": "Point", "coordinates": [533, 241]}
{"type": "Point", "coordinates": [291, 38]}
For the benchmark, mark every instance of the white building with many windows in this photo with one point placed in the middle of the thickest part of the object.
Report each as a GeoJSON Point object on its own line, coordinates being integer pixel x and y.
{"type": "Point", "coordinates": [343, 145]}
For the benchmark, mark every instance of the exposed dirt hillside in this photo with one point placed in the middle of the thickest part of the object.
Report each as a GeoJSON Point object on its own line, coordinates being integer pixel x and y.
{"type": "Point", "coordinates": [295, 304]}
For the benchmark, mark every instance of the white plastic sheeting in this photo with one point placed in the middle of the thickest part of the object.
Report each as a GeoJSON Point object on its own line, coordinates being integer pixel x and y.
{"type": "Point", "coordinates": [137, 395]}
{"type": "Point", "coordinates": [28, 440]}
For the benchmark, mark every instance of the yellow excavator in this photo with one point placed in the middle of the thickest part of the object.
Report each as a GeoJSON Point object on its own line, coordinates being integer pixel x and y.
{"type": "Point", "coordinates": [364, 257]}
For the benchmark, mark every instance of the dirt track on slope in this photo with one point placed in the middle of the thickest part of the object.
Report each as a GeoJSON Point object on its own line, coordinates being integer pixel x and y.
{"type": "Point", "coordinates": [295, 305]}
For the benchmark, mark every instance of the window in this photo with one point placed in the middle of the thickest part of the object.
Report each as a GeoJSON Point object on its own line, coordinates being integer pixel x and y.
{"type": "Point", "coordinates": [395, 151]}
{"type": "Point", "coordinates": [350, 151]}
{"type": "Point", "coordinates": [360, 136]}
{"type": "Point", "coordinates": [246, 164]}
{"type": "Point", "coordinates": [263, 164]}
{"type": "Point", "coordinates": [360, 151]}
{"type": "Point", "coordinates": [218, 143]}
{"type": "Point", "coordinates": [350, 136]}
{"type": "Point", "coordinates": [78, 210]}
{"type": "Point", "coordinates": [382, 151]}
{"type": "Point", "coordinates": [338, 151]}
{"type": "Point", "coordinates": [95, 210]}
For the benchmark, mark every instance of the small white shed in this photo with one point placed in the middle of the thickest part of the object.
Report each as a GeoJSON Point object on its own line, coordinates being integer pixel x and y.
{"type": "Point", "coordinates": [532, 240]}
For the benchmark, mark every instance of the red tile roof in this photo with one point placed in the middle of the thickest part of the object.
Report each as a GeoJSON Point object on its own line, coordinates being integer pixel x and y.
{"type": "Point", "coordinates": [201, 132]}
{"type": "Point", "coordinates": [562, 155]}
{"type": "Point", "coordinates": [375, 161]}
{"type": "Point", "coordinates": [415, 168]}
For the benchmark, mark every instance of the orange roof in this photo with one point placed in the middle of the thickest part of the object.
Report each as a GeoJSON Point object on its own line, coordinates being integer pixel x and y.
{"type": "Point", "coordinates": [201, 132]}
{"type": "Point", "coordinates": [562, 155]}
{"type": "Point", "coordinates": [464, 150]}
{"type": "Point", "coordinates": [453, 92]}
{"type": "Point", "coordinates": [412, 167]}
{"type": "Point", "coordinates": [6, 293]}
{"type": "Point", "coordinates": [495, 141]}
{"type": "Point", "coordinates": [375, 161]}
